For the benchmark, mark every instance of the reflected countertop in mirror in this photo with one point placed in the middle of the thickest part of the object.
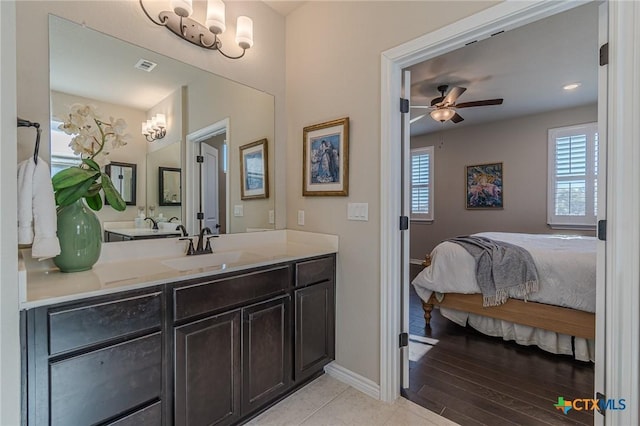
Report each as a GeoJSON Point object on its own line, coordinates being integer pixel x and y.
{"type": "Point", "coordinates": [87, 66]}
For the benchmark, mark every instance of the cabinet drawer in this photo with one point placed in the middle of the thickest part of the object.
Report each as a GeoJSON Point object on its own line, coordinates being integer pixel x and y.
{"type": "Point", "coordinates": [103, 384]}
{"type": "Point", "coordinates": [315, 271]}
{"type": "Point", "coordinates": [151, 415]}
{"type": "Point", "coordinates": [212, 296]}
{"type": "Point", "coordinates": [80, 326]}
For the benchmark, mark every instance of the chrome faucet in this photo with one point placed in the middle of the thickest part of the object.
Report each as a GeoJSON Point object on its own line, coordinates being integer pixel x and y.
{"type": "Point", "coordinates": [155, 224]}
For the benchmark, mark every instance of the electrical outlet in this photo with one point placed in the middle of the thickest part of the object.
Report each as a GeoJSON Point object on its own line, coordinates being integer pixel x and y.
{"type": "Point", "coordinates": [272, 216]}
{"type": "Point", "coordinates": [301, 217]}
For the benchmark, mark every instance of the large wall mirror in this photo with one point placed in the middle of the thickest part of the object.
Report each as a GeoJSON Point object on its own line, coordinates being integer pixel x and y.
{"type": "Point", "coordinates": [208, 119]}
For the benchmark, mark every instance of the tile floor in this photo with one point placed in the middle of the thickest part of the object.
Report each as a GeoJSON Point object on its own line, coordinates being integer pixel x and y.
{"type": "Point", "coordinates": [327, 401]}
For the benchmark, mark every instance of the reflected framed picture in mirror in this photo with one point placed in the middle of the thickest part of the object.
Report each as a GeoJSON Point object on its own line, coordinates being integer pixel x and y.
{"type": "Point", "coordinates": [169, 182]}
{"type": "Point", "coordinates": [123, 176]}
{"type": "Point", "coordinates": [254, 176]}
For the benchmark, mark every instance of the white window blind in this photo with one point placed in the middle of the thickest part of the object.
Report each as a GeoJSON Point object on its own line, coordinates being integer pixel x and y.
{"type": "Point", "coordinates": [422, 183]}
{"type": "Point", "coordinates": [573, 176]}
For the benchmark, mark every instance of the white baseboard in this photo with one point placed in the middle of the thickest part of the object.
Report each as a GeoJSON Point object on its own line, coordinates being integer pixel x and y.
{"type": "Point", "coordinates": [354, 380]}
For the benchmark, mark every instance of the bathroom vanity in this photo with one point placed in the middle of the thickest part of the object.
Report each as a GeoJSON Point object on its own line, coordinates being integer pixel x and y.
{"type": "Point", "coordinates": [197, 344]}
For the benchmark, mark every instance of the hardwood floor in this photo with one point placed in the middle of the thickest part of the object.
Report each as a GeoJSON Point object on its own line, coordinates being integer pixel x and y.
{"type": "Point", "coordinates": [475, 379]}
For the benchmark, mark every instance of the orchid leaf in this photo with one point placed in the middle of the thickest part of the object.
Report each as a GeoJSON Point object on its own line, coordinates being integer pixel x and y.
{"type": "Point", "coordinates": [94, 201]}
{"type": "Point", "coordinates": [92, 164]}
{"type": "Point", "coordinates": [71, 194]}
{"type": "Point", "coordinates": [71, 177]}
{"type": "Point", "coordinates": [93, 189]}
{"type": "Point", "coordinates": [112, 195]}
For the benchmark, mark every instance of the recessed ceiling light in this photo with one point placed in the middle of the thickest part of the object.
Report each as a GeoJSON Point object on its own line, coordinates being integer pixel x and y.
{"type": "Point", "coordinates": [572, 86]}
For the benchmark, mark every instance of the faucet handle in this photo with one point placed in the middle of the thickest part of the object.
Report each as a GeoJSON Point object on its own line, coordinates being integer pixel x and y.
{"type": "Point", "coordinates": [190, 249]}
{"type": "Point", "coordinates": [208, 248]}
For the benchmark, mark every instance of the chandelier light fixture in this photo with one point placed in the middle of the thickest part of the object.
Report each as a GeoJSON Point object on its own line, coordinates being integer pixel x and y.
{"type": "Point", "coordinates": [442, 114]}
{"type": "Point", "coordinates": [156, 128]}
{"type": "Point", "coordinates": [205, 36]}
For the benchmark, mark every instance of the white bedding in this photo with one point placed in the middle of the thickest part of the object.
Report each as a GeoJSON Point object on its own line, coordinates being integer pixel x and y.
{"type": "Point", "coordinates": [567, 273]}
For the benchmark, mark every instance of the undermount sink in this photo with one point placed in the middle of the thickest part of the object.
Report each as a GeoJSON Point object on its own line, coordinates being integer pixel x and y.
{"type": "Point", "coordinates": [188, 263]}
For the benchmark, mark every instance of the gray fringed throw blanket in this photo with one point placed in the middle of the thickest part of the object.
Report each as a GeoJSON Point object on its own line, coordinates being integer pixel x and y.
{"type": "Point", "coordinates": [502, 269]}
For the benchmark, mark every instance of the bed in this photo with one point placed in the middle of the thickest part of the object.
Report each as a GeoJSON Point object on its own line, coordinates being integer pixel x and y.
{"type": "Point", "coordinates": [558, 318]}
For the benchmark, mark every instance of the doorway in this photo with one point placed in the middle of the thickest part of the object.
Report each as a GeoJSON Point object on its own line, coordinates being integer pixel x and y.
{"type": "Point", "coordinates": [477, 27]}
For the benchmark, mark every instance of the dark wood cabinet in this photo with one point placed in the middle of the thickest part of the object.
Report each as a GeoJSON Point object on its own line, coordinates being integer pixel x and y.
{"type": "Point", "coordinates": [266, 354]}
{"type": "Point", "coordinates": [315, 329]}
{"type": "Point", "coordinates": [96, 361]}
{"type": "Point", "coordinates": [207, 371]}
{"type": "Point", "coordinates": [206, 351]}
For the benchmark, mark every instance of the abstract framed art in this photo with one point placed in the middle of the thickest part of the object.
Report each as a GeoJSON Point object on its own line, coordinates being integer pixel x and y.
{"type": "Point", "coordinates": [325, 167]}
{"type": "Point", "coordinates": [483, 184]}
{"type": "Point", "coordinates": [253, 170]}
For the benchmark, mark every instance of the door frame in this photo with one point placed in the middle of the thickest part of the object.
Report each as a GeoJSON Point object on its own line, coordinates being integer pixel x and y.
{"type": "Point", "coordinates": [190, 169]}
{"type": "Point", "coordinates": [622, 342]}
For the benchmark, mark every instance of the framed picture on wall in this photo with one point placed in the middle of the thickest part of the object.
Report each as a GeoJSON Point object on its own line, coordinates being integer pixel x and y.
{"type": "Point", "coordinates": [253, 170]}
{"type": "Point", "coordinates": [325, 159]}
{"type": "Point", "coordinates": [483, 184]}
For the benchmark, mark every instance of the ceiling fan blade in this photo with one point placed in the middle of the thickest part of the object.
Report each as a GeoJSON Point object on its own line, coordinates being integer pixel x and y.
{"type": "Point", "coordinates": [480, 103]}
{"type": "Point", "coordinates": [453, 95]}
{"type": "Point", "coordinates": [457, 118]}
{"type": "Point", "coordinates": [437, 100]}
{"type": "Point", "coordinates": [414, 119]}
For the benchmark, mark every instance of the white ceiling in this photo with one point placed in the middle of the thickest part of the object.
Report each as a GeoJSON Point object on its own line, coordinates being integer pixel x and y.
{"type": "Point", "coordinates": [527, 67]}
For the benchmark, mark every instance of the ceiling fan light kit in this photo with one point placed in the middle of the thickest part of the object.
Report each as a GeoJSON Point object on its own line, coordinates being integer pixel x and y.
{"type": "Point", "coordinates": [444, 106]}
{"type": "Point", "coordinates": [442, 114]}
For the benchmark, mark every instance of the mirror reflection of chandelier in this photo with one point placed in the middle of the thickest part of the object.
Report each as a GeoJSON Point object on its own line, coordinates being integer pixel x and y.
{"type": "Point", "coordinates": [179, 22]}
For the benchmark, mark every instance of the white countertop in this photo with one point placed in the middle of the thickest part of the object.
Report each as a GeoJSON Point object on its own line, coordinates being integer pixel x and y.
{"type": "Point", "coordinates": [143, 263]}
{"type": "Point", "coordinates": [142, 232]}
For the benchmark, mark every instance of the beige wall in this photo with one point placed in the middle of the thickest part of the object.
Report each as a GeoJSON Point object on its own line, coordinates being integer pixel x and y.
{"type": "Point", "coordinates": [333, 71]}
{"type": "Point", "coordinates": [521, 145]}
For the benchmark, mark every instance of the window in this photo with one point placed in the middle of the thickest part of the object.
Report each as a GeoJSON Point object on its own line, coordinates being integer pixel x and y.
{"type": "Point", "coordinates": [62, 155]}
{"type": "Point", "coordinates": [422, 183]}
{"type": "Point", "coordinates": [573, 176]}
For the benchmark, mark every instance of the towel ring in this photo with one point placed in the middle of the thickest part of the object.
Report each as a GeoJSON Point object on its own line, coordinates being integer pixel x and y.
{"type": "Point", "coordinates": [27, 123]}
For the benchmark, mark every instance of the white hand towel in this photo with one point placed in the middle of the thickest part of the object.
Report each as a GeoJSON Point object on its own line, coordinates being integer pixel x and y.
{"type": "Point", "coordinates": [37, 220]}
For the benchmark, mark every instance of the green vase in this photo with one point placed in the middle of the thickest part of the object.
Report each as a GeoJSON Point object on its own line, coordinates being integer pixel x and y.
{"type": "Point", "coordinates": [79, 234]}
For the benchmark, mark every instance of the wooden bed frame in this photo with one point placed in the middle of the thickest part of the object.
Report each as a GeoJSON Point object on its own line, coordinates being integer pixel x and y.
{"type": "Point", "coordinates": [539, 315]}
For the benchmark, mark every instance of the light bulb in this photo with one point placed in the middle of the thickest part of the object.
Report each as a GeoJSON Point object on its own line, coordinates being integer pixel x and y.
{"type": "Point", "coordinates": [182, 8]}
{"type": "Point", "coordinates": [244, 32]}
{"type": "Point", "coordinates": [161, 120]}
{"type": "Point", "coordinates": [215, 16]}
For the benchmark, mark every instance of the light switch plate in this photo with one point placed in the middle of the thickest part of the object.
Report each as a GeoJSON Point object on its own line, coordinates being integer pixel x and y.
{"type": "Point", "coordinates": [358, 211]}
{"type": "Point", "coordinates": [238, 211]}
{"type": "Point", "coordinates": [301, 217]}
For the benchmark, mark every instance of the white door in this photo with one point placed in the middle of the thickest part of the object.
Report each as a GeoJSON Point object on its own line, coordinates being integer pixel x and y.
{"type": "Point", "coordinates": [210, 196]}
{"type": "Point", "coordinates": [406, 212]}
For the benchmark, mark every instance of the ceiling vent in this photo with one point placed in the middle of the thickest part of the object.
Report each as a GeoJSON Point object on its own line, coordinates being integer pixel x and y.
{"type": "Point", "coordinates": [145, 65]}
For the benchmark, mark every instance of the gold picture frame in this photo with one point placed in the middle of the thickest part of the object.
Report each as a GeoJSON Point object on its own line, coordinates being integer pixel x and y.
{"type": "Point", "coordinates": [254, 173]}
{"type": "Point", "coordinates": [325, 159]}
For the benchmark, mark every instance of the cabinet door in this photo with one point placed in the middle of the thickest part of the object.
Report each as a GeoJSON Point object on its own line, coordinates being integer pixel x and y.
{"type": "Point", "coordinates": [315, 330]}
{"type": "Point", "coordinates": [266, 352]}
{"type": "Point", "coordinates": [207, 375]}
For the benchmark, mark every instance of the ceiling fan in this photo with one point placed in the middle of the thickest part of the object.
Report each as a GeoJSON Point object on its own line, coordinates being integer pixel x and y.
{"type": "Point", "coordinates": [444, 107]}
